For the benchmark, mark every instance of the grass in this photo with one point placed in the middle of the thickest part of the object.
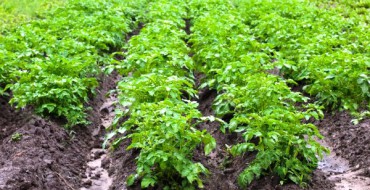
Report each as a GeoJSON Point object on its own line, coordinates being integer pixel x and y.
{"type": "Point", "coordinates": [13, 12]}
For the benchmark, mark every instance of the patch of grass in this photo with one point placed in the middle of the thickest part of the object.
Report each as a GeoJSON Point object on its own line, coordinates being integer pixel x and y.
{"type": "Point", "coordinates": [13, 12]}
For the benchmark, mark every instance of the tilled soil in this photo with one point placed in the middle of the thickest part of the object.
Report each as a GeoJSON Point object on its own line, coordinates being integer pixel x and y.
{"type": "Point", "coordinates": [349, 161]}
{"type": "Point", "coordinates": [46, 156]}
{"type": "Point", "coordinates": [350, 141]}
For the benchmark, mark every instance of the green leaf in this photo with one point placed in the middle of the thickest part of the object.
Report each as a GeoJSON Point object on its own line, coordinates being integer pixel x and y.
{"type": "Point", "coordinates": [131, 179]}
{"type": "Point", "coordinates": [147, 181]}
{"type": "Point", "coordinates": [210, 147]}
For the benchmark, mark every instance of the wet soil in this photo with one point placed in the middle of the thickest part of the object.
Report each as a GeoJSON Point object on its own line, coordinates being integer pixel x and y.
{"type": "Point", "coordinates": [97, 175]}
{"type": "Point", "coordinates": [122, 165]}
{"type": "Point", "coordinates": [349, 161]}
{"type": "Point", "coordinates": [121, 162]}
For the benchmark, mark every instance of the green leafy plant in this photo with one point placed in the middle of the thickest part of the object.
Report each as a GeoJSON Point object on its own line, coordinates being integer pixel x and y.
{"type": "Point", "coordinates": [16, 137]}
{"type": "Point", "coordinates": [261, 105]}
{"type": "Point", "coordinates": [53, 63]}
{"type": "Point", "coordinates": [166, 136]}
{"type": "Point", "coordinates": [153, 88]}
{"type": "Point", "coordinates": [323, 48]}
{"type": "Point", "coordinates": [156, 99]}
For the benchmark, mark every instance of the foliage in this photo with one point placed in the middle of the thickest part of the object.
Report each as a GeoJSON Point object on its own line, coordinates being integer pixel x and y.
{"type": "Point", "coordinates": [52, 63]}
{"type": "Point", "coordinates": [322, 44]}
{"type": "Point", "coordinates": [166, 136]}
{"type": "Point", "coordinates": [155, 96]}
{"type": "Point", "coordinates": [262, 106]}
{"type": "Point", "coordinates": [51, 57]}
{"type": "Point", "coordinates": [14, 12]}
{"type": "Point", "coordinates": [156, 49]}
{"type": "Point", "coordinates": [154, 88]}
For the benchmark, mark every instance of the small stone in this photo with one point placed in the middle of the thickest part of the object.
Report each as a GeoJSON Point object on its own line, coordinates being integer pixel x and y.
{"type": "Point", "coordinates": [87, 183]}
{"type": "Point", "coordinates": [98, 153]}
{"type": "Point", "coordinates": [48, 162]}
{"type": "Point", "coordinates": [32, 122]}
{"type": "Point", "coordinates": [60, 147]}
{"type": "Point", "coordinates": [83, 175]}
{"type": "Point", "coordinates": [105, 162]}
{"type": "Point", "coordinates": [49, 177]}
{"type": "Point", "coordinates": [96, 132]}
{"type": "Point", "coordinates": [96, 176]}
{"type": "Point", "coordinates": [97, 144]}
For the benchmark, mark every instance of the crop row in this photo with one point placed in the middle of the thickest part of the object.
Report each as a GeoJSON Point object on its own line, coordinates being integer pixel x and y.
{"type": "Point", "coordinates": [52, 63]}
{"type": "Point", "coordinates": [326, 49]}
{"type": "Point", "coordinates": [250, 52]}
{"type": "Point", "coordinates": [261, 104]}
{"type": "Point", "coordinates": [156, 96]}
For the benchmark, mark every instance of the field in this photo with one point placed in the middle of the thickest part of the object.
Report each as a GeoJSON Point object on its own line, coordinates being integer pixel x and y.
{"type": "Point", "coordinates": [185, 94]}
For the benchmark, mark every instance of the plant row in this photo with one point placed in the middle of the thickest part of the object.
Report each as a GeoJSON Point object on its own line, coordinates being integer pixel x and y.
{"type": "Point", "coordinates": [323, 45]}
{"type": "Point", "coordinates": [261, 105]}
{"type": "Point", "coordinates": [52, 63]}
{"type": "Point", "coordinates": [156, 97]}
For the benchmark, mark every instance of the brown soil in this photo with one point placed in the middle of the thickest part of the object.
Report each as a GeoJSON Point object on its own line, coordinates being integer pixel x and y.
{"type": "Point", "coordinates": [223, 169]}
{"type": "Point", "coordinates": [350, 141]}
{"type": "Point", "coordinates": [350, 144]}
{"type": "Point", "coordinates": [46, 156]}
{"type": "Point", "coordinates": [122, 165]}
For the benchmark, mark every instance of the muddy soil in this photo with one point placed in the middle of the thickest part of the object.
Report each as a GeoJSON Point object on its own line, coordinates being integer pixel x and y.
{"type": "Point", "coordinates": [349, 161]}
{"type": "Point", "coordinates": [37, 153]}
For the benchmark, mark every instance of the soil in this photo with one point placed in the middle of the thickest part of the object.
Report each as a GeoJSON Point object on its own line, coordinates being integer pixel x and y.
{"type": "Point", "coordinates": [46, 156]}
{"type": "Point", "coordinates": [349, 161]}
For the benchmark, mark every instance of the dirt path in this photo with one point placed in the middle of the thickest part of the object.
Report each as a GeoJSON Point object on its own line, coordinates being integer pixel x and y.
{"type": "Point", "coordinates": [97, 176]}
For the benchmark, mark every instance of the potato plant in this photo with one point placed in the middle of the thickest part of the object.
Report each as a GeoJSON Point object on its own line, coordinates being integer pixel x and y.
{"type": "Point", "coordinates": [261, 104]}
{"type": "Point", "coordinates": [326, 49]}
{"type": "Point", "coordinates": [52, 63]}
{"type": "Point", "coordinates": [250, 52]}
{"type": "Point", "coordinates": [156, 96]}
